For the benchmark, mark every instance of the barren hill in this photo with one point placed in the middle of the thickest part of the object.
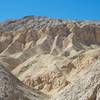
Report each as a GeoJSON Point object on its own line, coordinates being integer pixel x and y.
{"type": "Point", "coordinates": [59, 58]}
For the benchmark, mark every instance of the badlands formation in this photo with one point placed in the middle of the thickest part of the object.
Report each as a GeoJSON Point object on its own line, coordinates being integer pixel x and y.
{"type": "Point", "coordinates": [49, 59]}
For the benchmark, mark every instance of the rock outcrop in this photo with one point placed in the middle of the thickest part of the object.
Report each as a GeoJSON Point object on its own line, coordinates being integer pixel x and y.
{"type": "Point", "coordinates": [13, 89]}
{"type": "Point", "coordinates": [86, 86]}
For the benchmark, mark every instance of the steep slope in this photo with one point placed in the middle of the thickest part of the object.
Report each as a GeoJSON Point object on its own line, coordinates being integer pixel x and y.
{"type": "Point", "coordinates": [13, 89]}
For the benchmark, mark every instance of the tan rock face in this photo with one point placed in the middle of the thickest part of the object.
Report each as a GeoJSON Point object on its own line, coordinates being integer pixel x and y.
{"type": "Point", "coordinates": [13, 89]}
{"type": "Point", "coordinates": [55, 57]}
{"type": "Point", "coordinates": [85, 87]}
{"type": "Point", "coordinates": [87, 34]}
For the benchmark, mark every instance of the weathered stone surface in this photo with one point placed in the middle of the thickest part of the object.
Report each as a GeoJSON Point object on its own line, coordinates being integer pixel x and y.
{"type": "Point", "coordinates": [86, 86]}
{"type": "Point", "coordinates": [13, 89]}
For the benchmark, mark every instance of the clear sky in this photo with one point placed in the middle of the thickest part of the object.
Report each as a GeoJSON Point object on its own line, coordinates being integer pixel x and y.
{"type": "Point", "coordinates": [65, 9]}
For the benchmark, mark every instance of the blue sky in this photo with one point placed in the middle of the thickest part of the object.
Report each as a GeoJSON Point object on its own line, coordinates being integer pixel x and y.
{"type": "Point", "coordinates": [65, 9]}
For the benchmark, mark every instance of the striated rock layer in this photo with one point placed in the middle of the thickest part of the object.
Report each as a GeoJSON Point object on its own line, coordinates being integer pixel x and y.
{"type": "Point", "coordinates": [59, 58]}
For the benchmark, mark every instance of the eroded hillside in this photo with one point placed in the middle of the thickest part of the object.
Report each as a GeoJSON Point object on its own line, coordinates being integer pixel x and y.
{"type": "Point", "coordinates": [53, 56]}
